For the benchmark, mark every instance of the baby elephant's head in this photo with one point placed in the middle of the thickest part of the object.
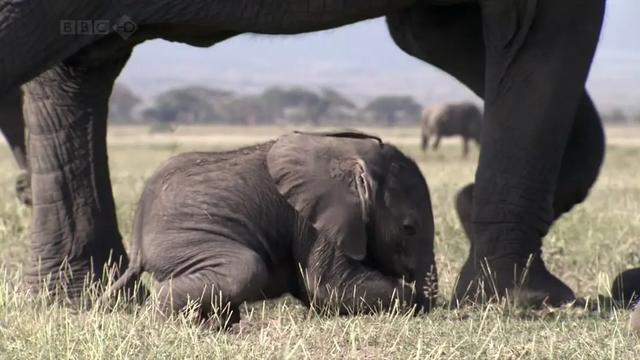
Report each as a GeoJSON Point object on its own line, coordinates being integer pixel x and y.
{"type": "Point", "coordinates": [366, 196]}
{"type": "Point", "coordinates": [399, 223]}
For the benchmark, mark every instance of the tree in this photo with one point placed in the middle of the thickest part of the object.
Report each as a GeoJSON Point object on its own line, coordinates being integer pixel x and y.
{"type": "Point", "coordinates": [189, 105]}
{"type": "Point", "coordinates": [616, 116]}
{"type": "Point", "coordinates": [392, 109]}
{"type": "Point", "coordinates": [339, 106]}
{"type": "Point", "coordinates": [247, 110]}
{"type": "Point", "coordinates": [336, 99]}
{"type": "Point", "coordinates": [122, 103]}
{"type": "Point", "coordinates": [308, 104]}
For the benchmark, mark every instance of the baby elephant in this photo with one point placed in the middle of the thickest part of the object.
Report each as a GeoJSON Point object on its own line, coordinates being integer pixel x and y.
{"type": "Point", "coordinates": [337, 220]}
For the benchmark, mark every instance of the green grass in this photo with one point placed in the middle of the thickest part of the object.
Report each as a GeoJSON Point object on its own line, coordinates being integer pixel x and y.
{"type": "Point", "coordinates": [586, 249]}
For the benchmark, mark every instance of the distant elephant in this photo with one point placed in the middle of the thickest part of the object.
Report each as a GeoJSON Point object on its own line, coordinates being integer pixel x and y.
{"type": "Point", "coordinates": [528, 59]}
{"type": "Point", "coordinates": [334, 219]}
{"type": "Point", "coordinates": [462, 119]}
{"type": "Point", "coordinates": [13, 128]}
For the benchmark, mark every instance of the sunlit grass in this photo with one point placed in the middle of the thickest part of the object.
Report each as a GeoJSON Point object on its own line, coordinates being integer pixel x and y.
{"type": "Point", "coordinates": [586, 249]}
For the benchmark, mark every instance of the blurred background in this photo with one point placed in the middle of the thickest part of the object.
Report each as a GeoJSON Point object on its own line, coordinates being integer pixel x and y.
{"type": "Point", "coordinates": [353, 74]}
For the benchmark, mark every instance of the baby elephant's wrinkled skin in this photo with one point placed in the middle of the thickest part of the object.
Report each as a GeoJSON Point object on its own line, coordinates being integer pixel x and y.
{"type": "Point", "coordinates": [337, 220]}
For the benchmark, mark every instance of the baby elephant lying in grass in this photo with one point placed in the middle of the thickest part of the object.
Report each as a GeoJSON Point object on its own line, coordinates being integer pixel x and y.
{"type": "Point", "coordinates": [341, 221]}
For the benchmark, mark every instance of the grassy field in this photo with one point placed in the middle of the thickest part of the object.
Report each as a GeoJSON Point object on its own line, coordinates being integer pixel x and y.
{"type": "Point", "coordinates": [586, 249]}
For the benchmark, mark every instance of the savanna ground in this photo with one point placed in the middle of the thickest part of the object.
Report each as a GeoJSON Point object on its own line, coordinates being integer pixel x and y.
{"type": "Point", "coordinates": [585, 248]}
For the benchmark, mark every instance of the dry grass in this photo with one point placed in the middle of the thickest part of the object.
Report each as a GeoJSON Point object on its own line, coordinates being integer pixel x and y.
{"type": "Point", "coordinates": [586, 248]}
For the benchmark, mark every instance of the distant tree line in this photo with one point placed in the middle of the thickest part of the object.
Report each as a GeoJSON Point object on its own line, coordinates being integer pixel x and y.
{"type": "Point", "coordinates": [619, 116]}
{"type": "Point", "coordinates": [275, 105]}
{"type": "Point", "coordinates": [278, 105]}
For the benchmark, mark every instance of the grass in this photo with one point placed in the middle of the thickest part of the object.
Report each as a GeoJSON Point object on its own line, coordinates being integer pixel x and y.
{"type": "Point", "coordinates": [585, 248]}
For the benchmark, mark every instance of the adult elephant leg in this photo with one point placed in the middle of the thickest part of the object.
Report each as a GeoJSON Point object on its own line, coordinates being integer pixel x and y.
{"type": "Point", "coordinates": [424, 145]}
{"type": "Point", "coordinates": [538, 58]}
{"type": "Point", "coordinates": [12, 125]}
{"type": "Point", "coordinates": [582, 158]}
{"type": "Point", "coordinates": [505, 230]}
{"type": "Point", "coordinates": [74, 231]}
{"type": "Point", "coordinates": [465, 146]}
{"type": "Point", "coordinates": [580, 167]}
{"type": "Point", "coordinates": [436, 143]}
{"type": "Point", "coordinates": [13, 128]}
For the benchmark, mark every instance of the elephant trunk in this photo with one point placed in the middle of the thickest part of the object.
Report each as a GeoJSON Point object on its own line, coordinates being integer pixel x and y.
{"type": "Point", "coordinates": [427, 287]}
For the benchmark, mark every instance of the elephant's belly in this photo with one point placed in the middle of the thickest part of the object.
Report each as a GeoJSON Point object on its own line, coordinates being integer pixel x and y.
{"type": "Point", "coordinates": [451, 2]}
{"type": "Point", "coordinates": [269, 17]}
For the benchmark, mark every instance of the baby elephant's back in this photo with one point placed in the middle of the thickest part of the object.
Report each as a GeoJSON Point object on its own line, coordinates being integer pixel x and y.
{"type": "Point", "coordinates": [198, 203]}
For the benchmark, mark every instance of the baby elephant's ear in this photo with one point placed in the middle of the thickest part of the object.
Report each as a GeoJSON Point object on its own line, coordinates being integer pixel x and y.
{"type": "Point", "coordinates": [327, 182]}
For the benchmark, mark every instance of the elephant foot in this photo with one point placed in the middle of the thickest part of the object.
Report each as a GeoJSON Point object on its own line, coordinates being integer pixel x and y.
{"type": "Point", "coordinates": [625, 289]}
{"type": "Point", "coordinates": [23, 188]}
{"type": "Point", "coordinates": [523, 279]}
{"type": "Point", "coordinates": [525, 282]}
{"type": "Point", "coordinates": [74, 281]}
{"type": "Point", "coordinates": [65, 284]}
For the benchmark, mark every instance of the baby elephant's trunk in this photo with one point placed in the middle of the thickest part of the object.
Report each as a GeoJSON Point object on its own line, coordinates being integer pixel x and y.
{"type": "Point", "coordinates": [427, 289]}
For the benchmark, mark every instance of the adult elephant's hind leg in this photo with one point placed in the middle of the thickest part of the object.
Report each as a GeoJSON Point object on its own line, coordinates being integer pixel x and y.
{"type": "Point", "coordinates": [582, 158]}
{"type": "Point", "coordinates": [74, 230]}
{"type": "Point", "coordinates": [13, 127]}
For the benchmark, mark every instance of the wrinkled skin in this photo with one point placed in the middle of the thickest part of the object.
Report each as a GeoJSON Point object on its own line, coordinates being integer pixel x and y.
{"type": "Point", "coordinates": [334, 220]}
{"type": "Point", "coordinates": [528, 59]}
{"type": "Point", "coordinates": [461, 119]}
{"type": "Point", "coordinates": [13, 129]}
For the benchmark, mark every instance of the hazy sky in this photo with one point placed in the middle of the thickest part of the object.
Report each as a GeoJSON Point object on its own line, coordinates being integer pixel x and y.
{"type": "Point", "coordinates": [360, 58]}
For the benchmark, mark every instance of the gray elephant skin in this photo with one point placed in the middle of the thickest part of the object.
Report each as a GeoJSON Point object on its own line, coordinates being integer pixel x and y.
{"type": "Point", "coordinates": [13, 129]}
{"type": "Point", "coordinates": [337, 220]}
{"type": "Point", "coordinates": [461, 119]}
{"type": "Point", "coordinates": [542, 140]}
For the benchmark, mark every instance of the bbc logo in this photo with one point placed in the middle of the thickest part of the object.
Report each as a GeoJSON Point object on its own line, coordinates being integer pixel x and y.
{"type": "Point", "coordinates": [85, 27]}
{"type": "Point", "coordinates": [125, 27]}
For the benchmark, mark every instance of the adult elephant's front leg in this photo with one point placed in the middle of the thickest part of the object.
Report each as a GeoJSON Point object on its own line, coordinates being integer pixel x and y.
{"type": "Point", "coordinates": [506, 227]}
{"type": "Point", "coordinates": [538, 58]}
{"type": "Point", "coordinates": [74, 231]}
{"type": "Point", "coordinates": [579, 170]}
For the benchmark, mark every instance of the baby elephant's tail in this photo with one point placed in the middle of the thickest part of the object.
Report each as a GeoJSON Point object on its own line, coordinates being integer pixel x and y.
{"type": "Point", "coordinates": [128, 286]}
